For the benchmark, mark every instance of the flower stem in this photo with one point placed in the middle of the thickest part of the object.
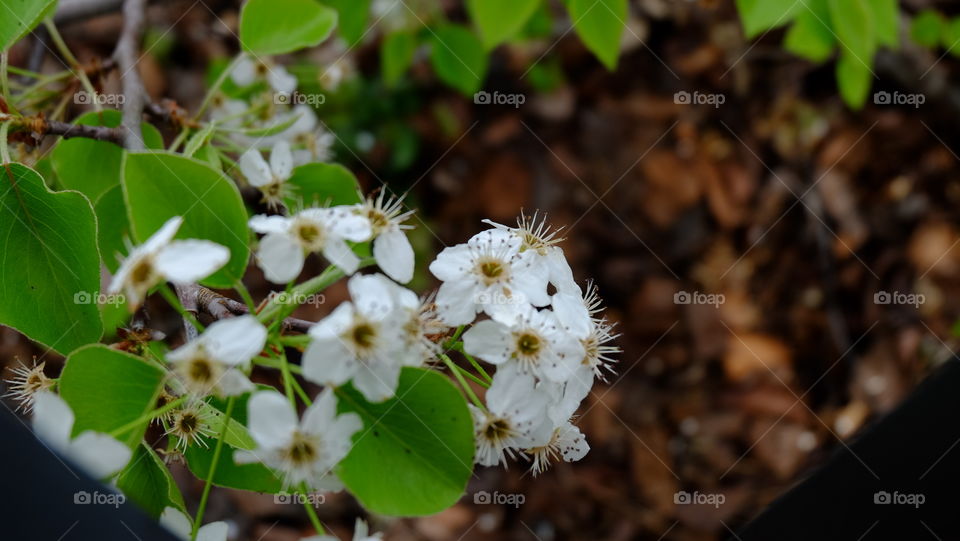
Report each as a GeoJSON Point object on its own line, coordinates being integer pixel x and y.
{"type": "Point", "coordinates": [287, 377]}
{"type": "Point", "coordinates": [172, 299]}
{"type": "Point", "coordinates": [74, 64]}
{"type": "Point", "coordinates": [4, 150]}
{"type": "Point", "coordinates": [246, 296]}
{"type": "Point", "coordinates": [215, 87]}
{"type": "Point", "coordinates": [314, 285]}
{"type": "Point", "coordinates": [4, 80]}
{"type": "Point", "coordinates": [311, 512]}
{"type": "Point", "coordinates": [463, 383]}
{"type": "Point", "coordinates": [147, 417]}
{"type": "Point", "coordinates": [213, 467]}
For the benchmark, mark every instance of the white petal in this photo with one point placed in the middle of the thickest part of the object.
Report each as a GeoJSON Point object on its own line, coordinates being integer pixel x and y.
{"type": "Point", "coordinates": [572, 313]}
{"type": "Point", "coordinates": [377, 382]}
{"type": "Point", "coordinates": [531, 283]}
{"type": "Point", "coordinates": [281, 80]}
{"type": "Point", "coordinates": [349, 225]}
{"type": "Point", "coordinates": [394, 255]}
{"type": "Point", "coordinates": [244, 72]}
{"type": "Point", "coordinates": [451, 263]}
{"type": "Point", "coordinates": [455, 303]}
{"type": "Point", "coordinates": [328, 362]}
{"type": "Point", "coordinates": [573, 444]}
{"type": "Point", "coordinates": [214, 531]}
{"type": "Point", "coordinates": [52, 420]}
{"type": "Point", "coordinates": [320, 415]}
{"type": "Point", "coordinates": [280, 257]}
{"type": "Point", "coordinates": [371, 296]}
{"type": "Point", "coordinates": [255, 168]}
{"type": "Point", "coordinates": [271, 419]}
{"type": "Point", "coordinates": [163, 235]}
{"type": "Point", "coordinates": [99, 454]}
{"type": "Point", "coordinates": [235, 340]}
{"type": "Point", "coordinates": [174, 520]}
{"type": "Point", "coordinates": [488, 340]}
{"type": "Point", "coordinates": [233, 383]}
{"type": "Point", "coordinates": [306, 119]}
{"type": "Point", "coordinates": [332, 326]}
{"type": "Point", "coordinates": [339, 253]}
{"type": "Point", "coordinates": [511, 387]}
{"type": "Point", "coordinates": [560, 273]}
{"type": "Point", "coordinates": [281, 160]}
{"type": "Point", "coordinates": [340, 434]}
{"type": "Point", "coordinates": [262, 223]}
{"type": "Point", "coordinates": [186, 261]}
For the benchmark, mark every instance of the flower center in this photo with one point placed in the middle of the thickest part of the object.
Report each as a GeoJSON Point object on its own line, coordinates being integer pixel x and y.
{"type": "Point", "coordinates": [143, 272]}
{"type": "Point", "coordinates": [497, 430]}
{"type": "Point", "coordinates": [188, 423]}
{"type": "Point", "coordinates": [303, 449]}
{"type": "Point", "coordinates": [491, 270]}
{"type": "Point", "coordinates": [528, 344]}
{"type": "Point", "coordinates": [310, 234]}
{"type": "Point", "coordinates": [200, 370]}
{"type": "Point", "coordinates": [364, 335]}
{"type": "Point", "coordinates": [378, 220]}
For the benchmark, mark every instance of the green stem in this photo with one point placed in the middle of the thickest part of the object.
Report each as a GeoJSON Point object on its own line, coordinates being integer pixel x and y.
{"type": "Point", "coordinates": [287, 377]}
{"type": "Point", "coordinates": [246, 296]}
{"type": "Point", "coordinates": [275, 363]}
{"type": "Point", "coordinates": [74, 64]}
{"type": "Point", "coordinates": [4, 150]}
{"type": "Point", "coordinates": [174, 301]}
{"type": "Point", "coordinates": [311, 512]}
{"type": "Point", "coordinates": [474, 378]}
{"type": "Point", "coordinates": [463, 383]}
{"type": "Point", "coordinates": [314, 285]}
{"type": "Point", "coordinates": [179, 139]}
{"type": "Point", "coordinates": [213, 468]}
{"type": "Point", "coordinates": [473, 362]}
{"type": "Point", "coordinates": [301, 393]}
{"type": "Point", "coordinates": [296, 341]}
{"type": "Point", "coordinates": [4, 81]}
{"type": "Point", "coordinates": [147, 417]}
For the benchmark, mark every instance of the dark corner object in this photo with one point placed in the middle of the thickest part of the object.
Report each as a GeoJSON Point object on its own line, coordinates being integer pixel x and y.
{"type": "Point", "coordinates": [44, 499]}
{"type": "Point", "coordinates": [896, 481]}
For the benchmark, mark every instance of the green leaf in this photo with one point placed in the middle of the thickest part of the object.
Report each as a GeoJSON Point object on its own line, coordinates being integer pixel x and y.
{"type": "Point", "coordinates": [926, 28]}
{"type": "Point", "coordinates": [19, 17]}
{"type": "Point", "coordinates": [92, 167]}
{"type": "Point", "coordinates": [107, 389]}
{"type": "Point", "coordinates": [147, 481]}
{"type": "Point", "coordinates": [237, 435]}
{"type": "Point", "coordinates": [762, 15]}
{"type": "Point", "coordinates": [853, 22]}
{"type": "Point", "coordinates": [854, 79]}
{"type": "Point", "coordinates": [322, 184]}
{"type": "Point", "coordinates": [458, 58]}
{"type": "Point", "coordinates": [500, 20]}
{"type": "Point", "coordinates": [270, 27]}
{"type": "Point", "coordinates": [199, 139]}
{"type": "Point", "coordinates": [48, 261]}
{"type": "Point", "coordinates": [886, 16]}
{"type": "Point", "coordinates": [600, 23]}
{"type": "Point", "coordinates": [396, 55]}
{"type": "Point", "coordinates": [160, 185]}
{"type": "Point", "coordinates": [113, 228]}
{"type": "Point", "coordinates": [809, 36]}
{"type": "Point", "coordinates": [415, 454]}
{"type": "Point", "coordinates": [951, 36]}
{"type": "Point", "coordinates": [352, 21]}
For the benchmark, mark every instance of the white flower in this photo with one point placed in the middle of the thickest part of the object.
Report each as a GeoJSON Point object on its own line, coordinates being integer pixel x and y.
{"type": "Point", "coordinates": [534, 341]}
{"type": "Point", "coordinates": [577, 315]}
{"type": "Point", "coordinates": [248, 71]}
{"type": "Point", "coordinates": [211, 363]}
{"type": "Point", "coordinates": [161, 258]}
{"type": "Point", "coordinates": [391, 248]}
{"type": "Point", "coordinates": [566, 442]}
{"type": "Point", "coordinates": [283, 250]}
{"type": "Point", "coordinates": [515, 418]}
{"type": "Point", "coordinates": [174, 520]}
{"type": "Point", "coordinates": [490, 274]}
{"type": "Point", "coordinates": [304, 451]}
{"type": "Point", "coordinates": [359, 341]}
{"type": "Point", "coordinates": [361, 532]}
{"type": "Point", "coordinates": [188, 426]}
{"type": "Point", "coordinates": [540, 240]}
{"type": "Point", "coordinates": [99, 454]}
{"type": "Point", "coordinates": [417, 319]}
{"type": "Point", "coordinates": [269, 178]}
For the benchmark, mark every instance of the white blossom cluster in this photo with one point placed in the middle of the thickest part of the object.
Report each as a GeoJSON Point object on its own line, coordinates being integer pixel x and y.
{"type": "Point", "coordinates": [548, 347]}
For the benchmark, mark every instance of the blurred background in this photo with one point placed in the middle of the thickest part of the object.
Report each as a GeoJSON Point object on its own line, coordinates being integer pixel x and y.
{"type": "Point", "coordinates": [781, 261]}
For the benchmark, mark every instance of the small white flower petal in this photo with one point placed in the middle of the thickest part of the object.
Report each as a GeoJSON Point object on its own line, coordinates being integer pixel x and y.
{"type": "Point", "coordinates": [214, 531]}
{"type": "Point", "coordinates": [99, 454]}
{"type": "Point", "coordinates": [271, 419]}
{"type": "Point", "coordinates": [281, 80]}
{"type": "Point", "coordinates": [234, 383]}
{"type": "Point", "coordinates": [339, 253]}
{"type": "Point", "coordinates": [244, 72]}
{"type": "Point", "coordinates": [449, 264]}
{"type": "Point", "coordinates": [488, 340]}
{"type": "Point", "coordinates": [328, 362]}
{"type": "Point", "coordinates": [52, 420]}
{"type": "Point", "coordinates": [236, 340]}
{"type": "Point", "coordinates": [377, 382]}
{"type": "Point", "coordinates": [280, 257]}
{"type": "Point", "coordinates": [455, 305]}
{"type": "Point", "coordinates": [394, 255]}
{"type": "Point", "coordinates": [162, 236]}
{"type": "Point", "coordinates": [281, 160]}
{"type": "Point", "coordinates": [186, 261]}
{"type": "Point", "coordinates": [176, 521]}
{"type": "Point", "coordinates": [371, 296]}
{"type": "Point", "coordinates": [255, 168]}
{"type": "Point", "coordinates": [262, 223]}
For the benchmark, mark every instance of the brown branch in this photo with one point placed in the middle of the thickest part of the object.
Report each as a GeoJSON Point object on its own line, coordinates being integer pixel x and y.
{"type": "Point", "coordinates": [218, 307]}
{"type": "Point", "coordinates": [126, 54]}
{"type": "Point", "coordinates": [67, 130]}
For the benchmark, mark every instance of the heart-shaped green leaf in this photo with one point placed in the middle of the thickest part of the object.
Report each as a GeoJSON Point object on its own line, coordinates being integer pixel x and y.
{"type": "Point", "coordinates": [281, 26]}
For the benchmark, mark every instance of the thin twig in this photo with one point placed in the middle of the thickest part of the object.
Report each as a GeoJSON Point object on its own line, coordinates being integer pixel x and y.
{"type": "Point", "coordinates": [126, 54]}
